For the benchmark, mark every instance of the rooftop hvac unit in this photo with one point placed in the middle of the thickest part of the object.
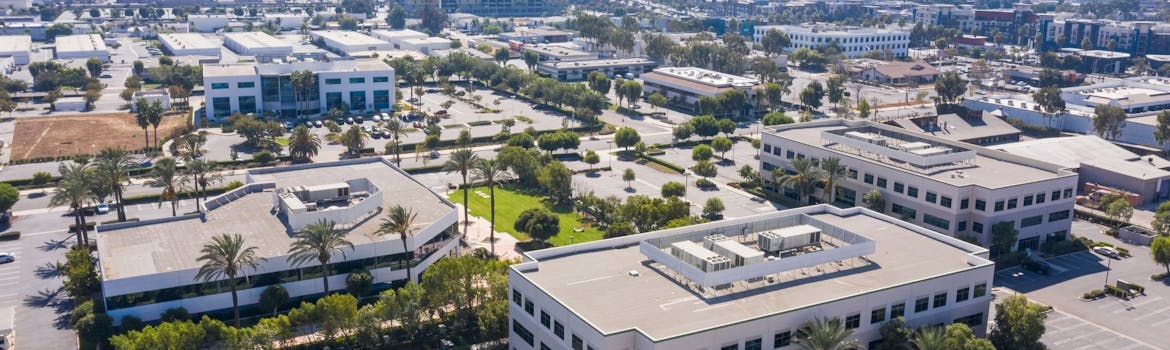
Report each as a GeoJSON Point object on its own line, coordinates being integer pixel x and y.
{"type": "Point", "coordinates": [933, 151]}
{"type": "Point", "coordinates": [715, 263]}
{"type": "Point", "coordinates": [709, 241]}
{"type": "Point", "coordinates": [910, 146]}
{"type": "Point", "coordinates": [738, 253]}
{"type": "Point", "coordinates": [695, 255]}
{"type": "Point", "coordinates": [866, 137]}
{"type": "Point", "coordinates": [789, 238]}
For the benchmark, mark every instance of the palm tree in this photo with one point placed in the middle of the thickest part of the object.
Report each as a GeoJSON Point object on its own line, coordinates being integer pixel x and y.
{"type": "Point", "coordinates": [492, 172]}
{"type": "Point", "coordinates": [143, 121]}
{"type": "Point", "coordinates": [400, 221]}
{"type": "Point", "coordinates": [202, 173]}
{"type": "Point", "coordinates": [825, 334]}
{"type": "Point", "coordinates": [462, 161]}
{"type": "Point", "coordinates": [303, 145]}
{"type": "Point", "coordinates": [166, 175]}
{"type": "Point", "coordinates": [302, 81]}
{"type": "Point", "coordinates": [834, 173]}
{"type": "Point", "coordinates": [354, 140]}
{"type": "Point", "coordinates": [112, 165]}
{"type": "Point", "coordinates": [224, 259]}
{"type": "Point", "coordinates": [930, 338]}
{"type": "Point", "coordinates": [803, 180]}
{"type": "Point", "coordinates": [395, 128]}
{"type": "Point", "coordinates": [319, 241]}
{"type": "Point", "coordinates": [73, 190]}
{"type": "Point", "coordinates": [192, 145]}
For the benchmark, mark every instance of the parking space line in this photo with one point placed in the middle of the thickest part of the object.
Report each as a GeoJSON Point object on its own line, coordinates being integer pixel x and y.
{"type": "Point", "coordinates": [1153, 313]}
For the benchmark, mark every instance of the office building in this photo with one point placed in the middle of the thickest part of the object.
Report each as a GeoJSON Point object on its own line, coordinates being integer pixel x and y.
{"type": "Point", "coordinates": [18, 47]}
{"type": "Point", "coordinates": [425, 45]}
{"type": "Point", "coordinates": [546, 53]}
{"type": "Point", "coordinates": [345, 42]}
{"type": "Point", "coordinates": [256, 44]}
{"type": "Point", "coordinates": [613, 68]}
{"type": "Point", "coordinates": [747, 283]}
{"type": "Point", "coordinates": [853, 41]}
{"type": "Point", "coordinates": [683, 86]}
{"type": "Point", "coordinates": [189, 44]}
{"type": "Point", "coordinates": [976, 128]}
{"type": "Point", "coordinates": [948, 186]}
{"type": "Point", "coordinates": [537, 36]}
{"type": "Point", "coordinates": [362, 86]}
{"type": "Point", "coordinates": [82, 46]}
{"type": "Point", "coordinates": [147, 267]}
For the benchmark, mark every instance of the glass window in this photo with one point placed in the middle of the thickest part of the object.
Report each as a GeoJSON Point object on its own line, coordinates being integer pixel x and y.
{"type": "Point", "coordinates": [1011, 203]}
{"type": "Point", "coordinates": [357, 100]}
{"type": "Point", "coordinates": [382, 99]}
{"type": "Point", "coordinates": [931, 197]}
{"type": "Point", "coordinates": [999, 206]}
{"type": "Point", "coordinates": [980, 205]}
{"type": "Point", "coordinates": [270, 88]}
{"type": "Point", "coordinates": [1058, 215]}
{"type": "Point", "coordinates": [333, 100]}
{"type": "Point", "coordinates": [528, 307]}
{"type": "Point", "coordinates": [1027, 200]}
{"type": "Point", "coordinates": [977, 227]}
{"type": "Point", "coordinates": [945, 201]}
{"type": "Point", "coordinates": [1055, 195]}
{"type": "Point", "coordinates": [559, 329]}
{"type": "Point", "coordinates": [333, 81]}
{"type": "Point", "coordinates": [522, 332]}
{"type": "Point", "coordinates": [782, 339]}
{"type": "Point", "coordinates": [904, 211]}
{"type": "Point", "coordinates": [962, 294]}
{"type": "Point", "coordinates": [940, 300]}
{"type": "Point", "coordinates": [767, 148]}
{"type": "Point", "coordinates": [881, 182]}
{"type": "Point", "coordinates": [971, 320]}
{"type": "Point", "coordinates": [869, 179]}
{"type": "Point", "coordinates": [1040, 198]}
{"type": "Point", "coordinates": [246, 84]}
{"type": "Point", "coordinates": [577, 343]}
{"type": "Point", "coordinates": [897, 310]}
{"type": "Point", "coordinates": [877, 315]}
{"type": "Point", "coordinates": [730, 347]}
{"type": "Point", "coordinates": [912, 191]}
{"type": "Point", "coordinates": [754, 344]}
{"type": "Point", "coordinates": [1031, 221]}
{"type": "Point", "coordinates": [247, 104]}
{"type": "Point", "coordinates": [222, 106]}
{"type": "Point", "coordinates": [899, 187]}
{"type": "Point", "coordinates": [1067, 193]}
{"type": "Point", "coordinates": [381, 79]}
{"type": "Point", "coordinates": [922, 304]}
{"type": "Point", "coordinates": [789, 154]}
{"type": "Point", "coordinates": [545, 319]}
{"type": "Point", "coordinates": [964, 203]}
{"type": "Point", "coordinates": [936, 221]}
{"type": "Point", "coordinates": [961, 226]}
{"type": "Point", "coordinates": [219, 86]}
{"type": "Point", "coordinates": [357, 80]}
{"type": "Point", "coordinates": [853, 321]}
{"type": "Point", "coordinates": [980, 290]}
{"type": "Point", "coordinates": [851, 173]}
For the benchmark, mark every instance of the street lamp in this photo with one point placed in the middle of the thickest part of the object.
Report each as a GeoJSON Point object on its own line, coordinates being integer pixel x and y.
{"type": "Point", "coordinates": [686, 186]}
{"type": "Point", "coordinates": [1108, 268]}
{"type": "Point", "coordinates": [610, 155]}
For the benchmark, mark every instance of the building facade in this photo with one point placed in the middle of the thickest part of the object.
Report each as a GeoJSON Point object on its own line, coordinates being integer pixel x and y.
{"type": "Point", "coordinates": [189, 44]}
{"type": "Point", "coordinates": [852, 41]}
{"type": "Point", "coordinates": [82, 46]}
{"type": "Point", "coordinates": [684, 86]}
{"type": "Point", "coordinates": [579, 70]}
{"type": "Point", "coordinates": [18, 47]}
{"type": "Point", "coordinates": [359, 86]}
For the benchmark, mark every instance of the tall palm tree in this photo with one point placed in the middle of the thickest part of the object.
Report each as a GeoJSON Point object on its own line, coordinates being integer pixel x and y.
{"type": "Point", "coordinates": [143, 121]}
{"type": "Point", "coordinates": [395, 128]}
{"type": "Point", "coordinates": [303, 145]}
{"type": "Point", "coordinates": [834, 173]}
{"type": "Point", "coordinates": [166, 175]}
{"type": "Point", "coordinates": [112, 165]}
{"type": "Point", "coordinates": [202, 174]}
{"type": "Point", "coordinates": [192, 145]}
{"type": "Point", "coordinates": [930, 338]}
{"type": "Point", "coordinates": [225, 258]}
{"type": "Point", "coordinates": [803, 180]}
{"type": "Point", "coordinates": [302, 82]}
{"type": "Point", "coordinates": [825, 334]}
{"type": "Point", "coordinates": [354, 140]}
{"type": "Point", "coordinates": [462, 161]}
{"type": "Point", "coordinates": [73, 190]}
{"type": "Point", "coordinates": [491, 172]}
{"type": "Point", "coordinates": [400, 221]}
{"type": "Point", "coordinates": [319, 241]}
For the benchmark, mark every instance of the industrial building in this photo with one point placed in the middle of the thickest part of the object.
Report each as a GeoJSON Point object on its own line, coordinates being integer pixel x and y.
{"type": "Point", "coordinates": [537, 36]}
{"type": "Point", "coordinates": [18, 47]}
{"type": "Point", "coordinates": [948, 186]}
{"type": "Point", "coordinates": [425, 45]}
{"type": "Point", "coordinates": [683, 86]}
{"type": "Point", "coordinates": [346, 42]}
{"type": "Point", "coordinates": [82, 46]}
{"type": "Point", "coordinates": [1102, 163]}
{"type": "Point", "coordinates": [361, 86]}
{"type": "Point", "coordinates": [189, 44]}
{"type": "Point", "coordinates": [613, 67]}
{"type": "Point", "coordinates": [397, 36]}
{"type": "Point", "coordinates": [853, 41]}
{"type": "Point", "coordinates": [206, 23]}
{"type": "Point", "coordinates": [492, 8]}
{"type": "Point", "coordinates": [559, 53]}
{"type": "Point", "coordinates": [256, 44]}
{"type": "Point", "coordinates": [747, 283]}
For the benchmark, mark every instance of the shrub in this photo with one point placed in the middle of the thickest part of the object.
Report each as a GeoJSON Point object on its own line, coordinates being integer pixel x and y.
{"type": "Point", "coordinates": [1160, 276]}
{"type": "Point", "coordinates": [263, 157]}
{"type": "Point", "coordinates": [131, 323]}
{"type": "Point", "coordinates": [479, 123]}
{"type": "Point", "coordinates": [358, 283]}
{"type": "Point", "coordinates": [704, 183]}
{"type": "Point", "coordinates": [1114, 291]}
{"type": "Point", "coordinates": [41, 178]}
{"type": "Point", "coordinates": [234, 184]}
{"type": "Point", "coordinates": [1093, 294]}
{"type": "Point", "coordinates": [175, 314]}
{"type": "Point", "coordinates": [10, 236]}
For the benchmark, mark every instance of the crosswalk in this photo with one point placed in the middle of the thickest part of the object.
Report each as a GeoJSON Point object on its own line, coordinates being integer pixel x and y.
{"type": "Point", "coordinates": [10, 275]}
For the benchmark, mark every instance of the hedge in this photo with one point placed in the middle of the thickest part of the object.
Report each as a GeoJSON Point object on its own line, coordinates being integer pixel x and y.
{"type": "Point", "coordinates": [664, 163]}
{"type": "Point", "coordinates": [10, 236]}
{"type": "Point", "coordinates": [479, 123]}
{"type": "Point", "coordinates": [1093, 294]}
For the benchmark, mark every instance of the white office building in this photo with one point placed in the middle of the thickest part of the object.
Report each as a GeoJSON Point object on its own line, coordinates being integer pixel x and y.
{"type": "Point", "coordinates": [147, 267]}
{"type": "Point", "coordinates": [345, 42]}
{"type": "Point", "coordinates": [206, 23]}
{"type": "Point", "coordinates": [612, 67]}
{"type": "Point", "coordinates": [683, 86]}
{"type": "Point", "coordinates": [853, 41]}
{"type": "Point", "coordinates": [747, 283]}
{"type": "Point", "coordinates": [18, 47]}
{"type": "Point", "coordinates": [189, 44]}
{"type": "Point", "coordinates": [256, 44]}
{"type": "Point", "coordinates": [362, 86]}
{"type": "Point", "coordinates": [82, 47]}
{"type": "Point", "coordinates": [948, 186]}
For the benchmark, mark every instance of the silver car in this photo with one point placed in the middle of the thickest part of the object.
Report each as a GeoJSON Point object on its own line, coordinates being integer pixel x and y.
{"type": "Point", "coordinates": [7, 257]}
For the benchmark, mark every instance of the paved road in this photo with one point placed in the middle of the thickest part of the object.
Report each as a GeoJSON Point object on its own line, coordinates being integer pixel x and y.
{"type": "Point", "coordinates": [31, 286]}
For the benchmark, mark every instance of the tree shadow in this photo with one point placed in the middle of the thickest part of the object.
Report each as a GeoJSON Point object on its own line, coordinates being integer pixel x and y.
{"type": "Point", "coordinates": [50, 270]}
{"type": "Point", "coordinates": [52, 245]}
{"type": "Point", "coordinates": [56, 299]}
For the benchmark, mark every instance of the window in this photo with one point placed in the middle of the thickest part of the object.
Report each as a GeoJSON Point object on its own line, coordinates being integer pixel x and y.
{"type": "Point", "coordinates": [577, 343]}
{"type": "Point", "coordinates": [980, 205]}
{"type": "Point", "coordinates": [945, 201]}
{"type": "Point", "coordinates": [1027, 200]}
{"type": "Point", "coordinates": [964, 203]}
{"type": "Point", "coordinates": [936, 221]}
{"type": "Point", "coordinates": [219, 86]}
{"type": "Point", "coordinates": [357, 80]}
{"type": "Point", "coordinates": [789, 154]}
{"type": "Point", "coordinates": [516, 297]}
{"type": "Point", "coordinates": [904, 211]}
{"type": "Point", "coordinates": [754, 344]}
{"type": "Point", "coordinates": [999, 206]}
{"type": "Point", "coordinates": [1067, 192]}
{"type": "Point", "coordinates": [333, 81]}
{"type": "Point", "coordinates": [1031, 221]}
{"type": "Point", "coordinates": [881, 182]}
{"type": "Point", "coordinates": [877, 315]}
{"type": "Point", "coordinates": [357, 100]}
{"type": "Point", "coordinates": [222, 106]}
{"type": "Point", "coordinates": [962, 294]}
{"type": "Point", "coordinates": [971, 320]}
{"type": "Point", "coordinates": [922, 304]}
{"type": "Point", "coordinates": [767, 148]}
{"type": "Point", "coordinates": [545, 319]}
{"type": "Point", "coordinates": [782, 339]}
{"type": "Point", "coordinates": [333, 100]}
{"type": "Point", "coordinates": [1039, 198]}
{"type": "Point", "coordinates": [528, 307]}
{"type": "Point", "coordinates": [898, 310]}
{"type": "Point", "coordinates": [247, 104]}
{"type": "Point", "coordinates": [869, 179]}
{"type": "Point", "coordinates": [382, 99]}
{"type": "Point", "coordinates": [899, 187]}
{"type": "Point", "coordinates": [1058, 215]}
{"type": "Point", "coordinates": [730, 347]}
{"type": "Point", "coordinates": [853, 321]}
{"type": "Point", "coordinates": [980, 290]}
{"type": "Point", "coordinates": [1012, 203]}
{"type": "Point", "coordinates": [940, 300]}
{"type": "Point", "coordinates": [559, 329]}
{"type": "Point", "coordinates": [912, 192]}
{"type": "Point", "coordinates": [851, 173]}
{"type": "Point", "coordinates": [977, 227]}
{"type": "Point", "coordinates": [522, 332]}
{"type": "Point", "coordinates": [931, 197]}
{"type": "Point", "coordinates": [381, 79]}
{"type": "Point", "coordinates": [1055, 195]}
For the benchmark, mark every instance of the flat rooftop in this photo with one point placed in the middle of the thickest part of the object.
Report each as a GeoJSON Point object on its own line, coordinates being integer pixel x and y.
{"type": "Point", "coordinates": [188, 41]}
{"type": "Point", "coordinates": [1071, 152]}
{"type": "Point", "coordinates": [228, 70]}
{"type": "Point", "coordinates": [398, 34]}
{"type": "Point", "coordinates": [707, 77]}
{"type": "Point", "coordinates": [257, 40]}
{"type": "Point", "coordinates": [821, 29]}
{"type": "Point", "coordinates": [174, 246]}
{"type": "Point", "coordinates": [606, 297]}
{"type": "Point", "coordinates": [988, 168]}
{"type": "Point", "coordinates": [81, 43]}
{"type": "Point", "coordinates": [15, 43]}
{"type": "Point", "coordinates": [558, 51]}
{"type": "Point", "coordinates": [348, 37]}
{"type": "Point", "coordinates": [609, 62]}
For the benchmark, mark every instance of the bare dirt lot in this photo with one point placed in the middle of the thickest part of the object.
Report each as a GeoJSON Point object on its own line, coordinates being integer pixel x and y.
{"type": "Point", "coordinates": [72, 134]}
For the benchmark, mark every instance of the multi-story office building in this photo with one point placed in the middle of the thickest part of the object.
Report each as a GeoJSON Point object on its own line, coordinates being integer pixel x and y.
{"type": "Point", "coordinates": [683, 86]}
{"type": "Point", "coordinates": [747, 283]}
{"type": "Point", "coordinates": [948, 186]}
{"type": "Point", "coordinates": [359, 85]}
{"type": "Point", "coordinates": [613, 67]}
{"type": "Point", "coordinates": [149, 266]}
{"type": "Point", "coordinates": [852, 41]}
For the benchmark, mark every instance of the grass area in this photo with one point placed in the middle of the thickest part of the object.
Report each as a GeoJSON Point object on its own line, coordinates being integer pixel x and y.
{"type": "Point", "coordinates": [509, 205]}
{"type": "Point", "coordinates": [151, 86]}
{"type": "Point", "coordinates": [283, 141]}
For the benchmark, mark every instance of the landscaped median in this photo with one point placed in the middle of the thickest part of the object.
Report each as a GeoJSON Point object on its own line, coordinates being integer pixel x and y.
{"type": "Point", "coordinates": [509, 205]}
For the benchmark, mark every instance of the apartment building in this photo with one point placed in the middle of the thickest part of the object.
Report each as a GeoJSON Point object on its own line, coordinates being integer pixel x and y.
{"type": "Point", "coordinates": [1061, 30]}
{"type": "Point", "coordinates": [947, 186]}
{"type": "Point", "coordinates": [147, 267]}
{"type": "Point", "coordinates": [853, 41]}
{"type": "Point", "coordinates": [362, 86]}
{"type": "Point", "coordinates": [747, 283]}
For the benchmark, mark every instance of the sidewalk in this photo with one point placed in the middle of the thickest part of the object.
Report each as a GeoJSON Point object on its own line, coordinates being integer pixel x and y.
{"type": "Point", "coordinates": [478, 236]}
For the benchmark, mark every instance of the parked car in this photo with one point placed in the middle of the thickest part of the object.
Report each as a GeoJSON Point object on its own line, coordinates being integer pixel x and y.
{"type": "Point", "coordinates": [318, 123]}
{"type": "Point", "coordinates": [1107, 251]}
{"type": "Point", "coordinates": [106, 76]}
{"type": "Point", "coordinates": [349, 120]}
{"type": "Point", "coordinates": [377, 118]}
{"type": "Point", "coordinates": [288, 125]}
{"type": "Point", "coordinates": [7, 257]}
{"type": "Point", "coordinates": [103, 208]}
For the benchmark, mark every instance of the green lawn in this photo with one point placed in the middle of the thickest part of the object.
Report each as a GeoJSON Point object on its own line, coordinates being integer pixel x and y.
{"type": "Point", "coordinates": [283, 141]}
{"type": "Point", "coordinates": [509, 205]}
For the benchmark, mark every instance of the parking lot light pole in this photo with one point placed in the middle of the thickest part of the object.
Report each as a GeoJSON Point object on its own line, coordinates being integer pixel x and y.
{"type": "Point", "coordinates": [1108, 268]}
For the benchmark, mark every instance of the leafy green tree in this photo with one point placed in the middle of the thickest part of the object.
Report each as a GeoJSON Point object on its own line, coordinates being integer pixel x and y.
{"type": "Point", "coordinates": [704, 168]}
{"type": "Point", "coordinates": [733, 101]}
{"type": "Point", "coordinates": [168, 335]}
{"type": "Point", "coordinates": [804, 178]}
{"type": "Point", "coordinates": [359, 282]}
{"type": "Point", "coordinates": [405, 306]}
{"type": "Point", "coordinates": [400, 221]}
{"type": "Point", "coordinates": [777, 118]}
{"type": "Point", "coordinates": [303, 145]}
{"type": "Point", "coordinates": [591, 158]}
{"type": "Point", "coordinates": [620, 229]}
{"type": "Point", "coordinates": [81, 280]}
{"type": "Point", "coordinates": [538, 223]}
{"type": "Point", "coordinates": [1119, 210]}
{"type": "Point", "coordinates": [492, 172]}
{"type": "Point", "coordinates": [273, 297]}
{"type": "Point", "coordinates": [628, 176]}
{"type": "Point", "coordinates": [1050, 102]}
{"type": "Point", "coordinates": [523, 162]}
{"type": "Point", "coordinates": [950, 87]}
{"type": "Point", "coordinates": [657, 100]}
{"type": "Point", "coordinates": [705, 126]}
{"type": "Point", "coordinates": [726, 126]}
{"type": "Point", "coordinates": [502, 56]}
{"type": "Point", "coordinates": [530, 59]}
{"type": "Point", "coordinates": [1160, 251]}
{"type": "Point", "coordinates": [225, 258]}
{"type": "Point", "coordinates": [835, 89]}
{"type": "Point", "coordinates": [774, 42]}
{"type": "Point", "coordinates": [1019, 324]}
{"type": "Point", "coordinates": [632, 90]}
{"type": "Point", "coordinates": [112, 166]}
{"type": "Point", "coordinates": [1003, 237]}
{"type": "Point", "coordinates": [396, 17]}
{"type": "Point", "coordinates": [94, 66]}
{"type": "Point", "coordinates": [707, 105]}
{"type": "Point", "coordinates": [683, 131]}
{"type": "Point", "coordinates": [1108, 121]}
{"type": "Point", "coordinates": [556, 179]}
{"type": "Point", "coordinates": [812, 94]}
{"type": "Point", "coordinates": [92, 325]}
{"type": "Point", "coordinates": [713, 207]}
{"type": "Point", "coordinates": [626, 137]}
{"type": "Point", "coordinates": [895, 335]}
{"type": "Point", "coordinates": [702, 153]}
{"type": "Point", "coordinates": [673, 189]}
{"type": "Point", "coordinates": [9, 195]}
{"type": "Point", "coordinates": [318, 241]}
{"type": "Point", "coordinates": [960, 336]}
{"type": "Point", "coordinates": [825, 334]}
{"type": "Point", "coordinates": [354, 140]}
{"type": "Point", "coordinates": [873, 201]}
{"type": "Point", "coordinates": [721, 145]}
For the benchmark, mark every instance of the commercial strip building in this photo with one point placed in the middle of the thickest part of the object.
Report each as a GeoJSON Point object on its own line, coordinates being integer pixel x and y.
{"type": "Point", "coordinates": [256, 44]}
{"type": "Point", "coordinates": [82, 46]}
{"type": "Point", "coordinates": [149, 266]}
{"type": "Point", "coordinates": [19, 47]}
{"type": "Point", "coordinates": [362, 86]}
{"type": "Point", "coordinates": [189, 44]}
{"type": "Point", "coordinates": [1100, 162]}
{"type": "Point", "coordinates": [747, 283]}
{"type": "Point", "coordinates": [683, 86]}
{"type": "Point", "coordinates": [579, 70]}
{"type": "Point", "coordinates": [948, 186]}
{"type": "Point", "coordinates": [343, 42]}
{"type": "Point", "coordinates": [853, 41]}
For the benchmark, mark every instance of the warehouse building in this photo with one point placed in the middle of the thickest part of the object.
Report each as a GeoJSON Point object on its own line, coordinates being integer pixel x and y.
{"type": "Point", "coordinates": [346, 42]}
{"type": "Point", "coordinates": [747, 283]}
{"type": "Point", "coordinates": [18, 47]}
{"type": "Point", "coordinates": [425, 45]}
{"type": "Point", "coordinates": [256, 44]}
{"type": "Point", "coordinates": [397, 36]}
{"type": "Point", "coordinates": [82, 47]}
{"type": "Point", "coordinates": [146, 268]}
{"type": "Point", "coordinates": [206, 23]}
{"type": "Point", "coordinates": [361, 86]}
{"type": "Point", "coordinates": [1100, 162]}
{"type": "Point", "coordinates": [612, 67]}
{"type": "Point", "coordinates": [189, 44]}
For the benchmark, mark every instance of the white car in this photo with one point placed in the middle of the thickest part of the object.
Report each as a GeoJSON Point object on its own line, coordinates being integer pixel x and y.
{"type": "Point", "coordinates": [103, 208]}
{"type": "Point", "coordinates": [1107, 251]}
{"type": "Point", "coordinates": [7, 257]}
